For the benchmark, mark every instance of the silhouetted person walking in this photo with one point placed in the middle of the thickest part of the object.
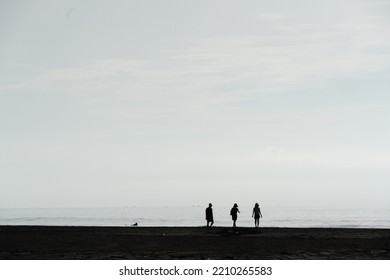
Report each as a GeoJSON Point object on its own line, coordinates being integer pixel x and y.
{"type": "Point", "coordinates": [257, 214]}
{"type": "Point", "coordinates": [209, 216]}
{"type": "Point", "coordinates": [233, 213]}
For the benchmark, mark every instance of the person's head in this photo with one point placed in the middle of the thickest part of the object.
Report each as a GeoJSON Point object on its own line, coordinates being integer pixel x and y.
{"type": "Point", "coordinates": [256, 205]}
{"type": "Point", "coordinates": [210, 205]}
{"type": "Point", "coordinates": [235, 205]}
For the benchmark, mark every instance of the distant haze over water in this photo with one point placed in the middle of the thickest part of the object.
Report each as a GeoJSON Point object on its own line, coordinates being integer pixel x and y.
{"type": "Point", "coordinates": [194, 216]}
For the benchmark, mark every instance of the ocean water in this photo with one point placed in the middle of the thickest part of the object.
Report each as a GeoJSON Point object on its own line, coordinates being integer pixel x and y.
{"type": "Point", "coordinates": [194, 216]}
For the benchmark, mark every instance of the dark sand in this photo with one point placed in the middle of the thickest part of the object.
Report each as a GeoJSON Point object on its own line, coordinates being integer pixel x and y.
{"type": "Point", "coordinates": [110, 243]}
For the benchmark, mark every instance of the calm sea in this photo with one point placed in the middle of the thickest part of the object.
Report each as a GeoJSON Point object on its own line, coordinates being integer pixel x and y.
{"type": "Point", "coordinates": [194, 216]}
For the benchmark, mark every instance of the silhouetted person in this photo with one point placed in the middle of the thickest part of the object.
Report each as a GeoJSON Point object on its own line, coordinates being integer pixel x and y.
{"type": "Point", "coordinates": [257, 214]}
{"type": "Point", "coordinates": [233, 213]}
{"type": "Point", "coordinates": [209, 216]}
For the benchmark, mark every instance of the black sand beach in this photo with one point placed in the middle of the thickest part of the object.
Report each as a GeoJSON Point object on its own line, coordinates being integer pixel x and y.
{"type": "Point", "coordinates": [155, 243]}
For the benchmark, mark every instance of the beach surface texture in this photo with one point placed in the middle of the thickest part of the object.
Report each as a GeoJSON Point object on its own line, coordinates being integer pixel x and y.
{"type": "Point", "coordinates": [192, 243]}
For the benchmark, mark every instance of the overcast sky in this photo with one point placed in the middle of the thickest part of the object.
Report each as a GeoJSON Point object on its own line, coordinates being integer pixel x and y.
{"type": "Point", "coordinates": [115, 103]}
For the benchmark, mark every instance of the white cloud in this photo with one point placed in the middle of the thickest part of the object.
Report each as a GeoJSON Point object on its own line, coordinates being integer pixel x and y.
{"type": "Point", "coordinates": [209, 99]}
{"type": "Point", "coordinates": [297, 56]}
{"type": "Point", "coordinates": [280, 157]}
{"type": "Point", "coordinates": [271, 16]}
